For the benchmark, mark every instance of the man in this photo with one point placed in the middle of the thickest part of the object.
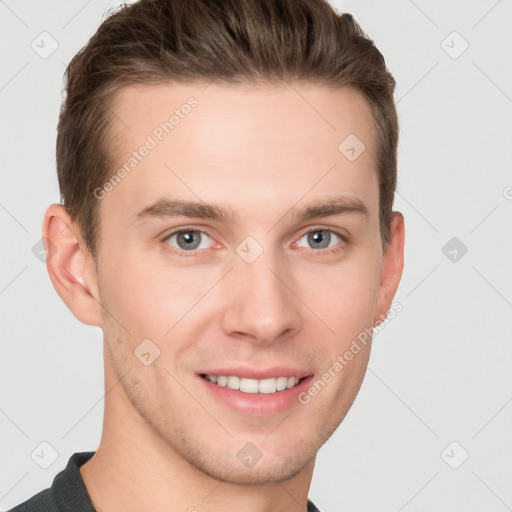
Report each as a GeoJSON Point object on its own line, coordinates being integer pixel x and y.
{"type": "Point", "coordinates": [227, 172]}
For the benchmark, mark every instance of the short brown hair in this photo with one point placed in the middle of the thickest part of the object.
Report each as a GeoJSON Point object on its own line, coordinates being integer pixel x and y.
{"type": "Point", "coordinates": [229, 41]}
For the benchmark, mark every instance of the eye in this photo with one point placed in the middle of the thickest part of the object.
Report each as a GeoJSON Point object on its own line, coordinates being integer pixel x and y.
{"type": "Point", "coordinates": [321, 238]}
{"type": "Point", "coordinates": [188, 240]}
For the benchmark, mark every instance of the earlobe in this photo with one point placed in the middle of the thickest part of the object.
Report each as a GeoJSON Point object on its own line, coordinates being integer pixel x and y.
{"type": "Point", "coordinates": [392, 267]}
{"type": "Point", "coordinates": [71, 266]}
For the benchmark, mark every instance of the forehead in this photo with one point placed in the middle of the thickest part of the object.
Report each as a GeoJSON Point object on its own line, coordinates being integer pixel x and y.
{"type": "Point", "coordinates": [259, 146]}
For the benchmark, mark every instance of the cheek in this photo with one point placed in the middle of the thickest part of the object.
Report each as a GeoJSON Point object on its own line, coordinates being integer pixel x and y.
{"type": "Point", "coordinates": [150, 298]}
{"type": "Point", "coordinates": [343, 297]}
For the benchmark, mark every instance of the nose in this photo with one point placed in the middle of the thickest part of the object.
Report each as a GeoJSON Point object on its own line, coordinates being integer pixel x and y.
{"type": "Point", "coordinates": [261, 306]}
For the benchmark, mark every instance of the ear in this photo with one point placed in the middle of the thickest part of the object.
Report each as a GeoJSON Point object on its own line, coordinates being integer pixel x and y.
{"type": "Point", "coordinates": [393, 265]}
{"type": "Point", "coordinates": [71, 267]}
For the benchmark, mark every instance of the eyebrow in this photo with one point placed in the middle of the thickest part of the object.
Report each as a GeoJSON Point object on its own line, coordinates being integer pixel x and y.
{"type": "Point", "coordinates": [165, 208]}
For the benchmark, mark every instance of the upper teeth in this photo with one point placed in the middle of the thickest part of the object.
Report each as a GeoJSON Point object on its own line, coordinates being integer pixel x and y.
{"type": "Point", "coordinates": [254, 385]}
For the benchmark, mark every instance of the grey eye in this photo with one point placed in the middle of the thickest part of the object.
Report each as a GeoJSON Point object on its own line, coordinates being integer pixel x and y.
{"type": "Point", "coordinates": [189, 240]}
{"type": "Point", "coordinates": [321, 238]}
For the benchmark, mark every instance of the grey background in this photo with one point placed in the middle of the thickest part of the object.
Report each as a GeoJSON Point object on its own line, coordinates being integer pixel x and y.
{"type": "Point", "coordinates": [439, 372]}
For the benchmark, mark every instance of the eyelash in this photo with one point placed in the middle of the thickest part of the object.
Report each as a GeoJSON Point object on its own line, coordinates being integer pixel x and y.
{"type": "Point", "coordinates": [199, 252]}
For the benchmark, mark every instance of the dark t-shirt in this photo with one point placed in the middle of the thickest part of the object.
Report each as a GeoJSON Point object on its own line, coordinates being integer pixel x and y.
{"type": "Point", "coordinates": [68, 492]}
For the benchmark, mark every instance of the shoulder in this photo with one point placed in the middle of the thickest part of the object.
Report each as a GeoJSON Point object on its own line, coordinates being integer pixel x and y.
{"type": "Point", "coordinates": [312, 507]}
{"type": "Point", "coordinates": [66, 494]}
{"type": "Point", "coordinates": [43, 501]}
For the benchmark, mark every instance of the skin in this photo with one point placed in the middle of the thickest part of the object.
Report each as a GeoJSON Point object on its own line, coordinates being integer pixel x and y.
{"type": "Point", "coordinates": [265, 153]}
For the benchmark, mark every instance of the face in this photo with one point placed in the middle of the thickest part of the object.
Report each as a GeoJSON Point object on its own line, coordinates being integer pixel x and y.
{"type": "Point", "coordinates": [241, 249]}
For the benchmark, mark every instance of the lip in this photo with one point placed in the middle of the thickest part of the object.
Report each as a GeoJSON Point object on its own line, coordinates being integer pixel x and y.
{"type": "Point", "coordinates": [256, 404]}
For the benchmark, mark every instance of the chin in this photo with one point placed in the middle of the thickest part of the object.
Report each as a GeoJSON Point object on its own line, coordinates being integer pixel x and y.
{"type": "Point", "coordinates": [262, 473]}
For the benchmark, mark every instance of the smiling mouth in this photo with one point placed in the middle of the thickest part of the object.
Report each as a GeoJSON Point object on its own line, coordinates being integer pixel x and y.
{"type": "Point", "coordinates": [245, 385]}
